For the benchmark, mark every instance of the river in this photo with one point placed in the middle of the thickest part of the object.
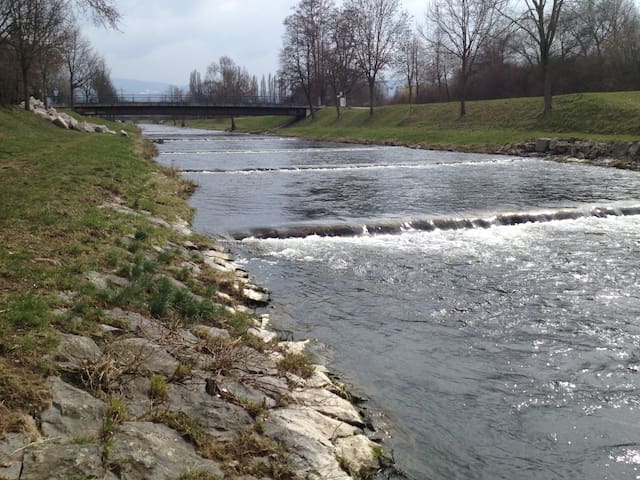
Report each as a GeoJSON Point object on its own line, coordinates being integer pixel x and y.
{"type": "Point", "coordinates": [488, 306]}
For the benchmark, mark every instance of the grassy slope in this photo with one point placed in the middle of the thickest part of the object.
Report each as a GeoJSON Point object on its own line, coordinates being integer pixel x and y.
{"type": "Point", "coordinates": [488, 124]}
{"type": "Point", "coordinates": [51, 183]}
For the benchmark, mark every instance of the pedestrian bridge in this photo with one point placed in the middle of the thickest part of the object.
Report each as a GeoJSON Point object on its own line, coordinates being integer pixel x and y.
{"type": "Point", "coordinates": [142, 106]}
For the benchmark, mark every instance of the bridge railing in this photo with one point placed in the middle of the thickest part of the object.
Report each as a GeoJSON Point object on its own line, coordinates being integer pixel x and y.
{"type": "Point", "coordinates": [164, 99]}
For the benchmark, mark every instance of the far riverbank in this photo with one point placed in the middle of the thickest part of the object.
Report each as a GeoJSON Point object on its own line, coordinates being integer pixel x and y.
{"type": "Point", "coordinates": [587, 125]}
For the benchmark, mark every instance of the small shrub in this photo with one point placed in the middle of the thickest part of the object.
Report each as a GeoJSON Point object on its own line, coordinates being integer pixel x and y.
{"type": "Point", "coordinates": [184, 274]}
{"type": "Point", "coordinates": [226, 354]}
{"type": "Point", "coordinates": [255, 409]}
{"type": "Point", "coordinates": [135, 246]}
{"type": "Point", "coordinates": [183, 371]}
{"type": "Point", "coordinates": [198, 475]}
{"type": "Point", "coordinates": [161, 298]}
{"type": "Point", "coordinates": [165, 257]}
{"type": "Point", "coordinates": [296, 363]}
{"type": "Point", "coordinates": [141, 234]}
{"type": "Point", "coordinates": [28, 311]}
{"type": "Point", "coordinates": [112, 258]}
{"type": "Point", "coordinates": [158, 389]}
{"type": "Point", "coordinates": [116, 414]}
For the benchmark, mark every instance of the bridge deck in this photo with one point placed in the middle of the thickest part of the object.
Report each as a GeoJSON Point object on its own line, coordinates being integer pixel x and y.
{"type": "Point", "coordinates": [177, 110]}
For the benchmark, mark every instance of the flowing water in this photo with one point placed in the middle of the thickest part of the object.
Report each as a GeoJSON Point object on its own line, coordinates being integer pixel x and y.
{"type": "Point", "coordinates": [488, 306]}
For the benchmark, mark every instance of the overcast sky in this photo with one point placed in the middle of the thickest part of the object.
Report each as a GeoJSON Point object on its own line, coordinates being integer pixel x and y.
{"type": "Point", "coordinates": [164, 40]}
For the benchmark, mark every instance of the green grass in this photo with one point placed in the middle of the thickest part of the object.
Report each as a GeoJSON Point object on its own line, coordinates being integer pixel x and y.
{"type": "Point", "coordinates": [488, 124]}
{"type": "Point", "coordinates": [53, 229]}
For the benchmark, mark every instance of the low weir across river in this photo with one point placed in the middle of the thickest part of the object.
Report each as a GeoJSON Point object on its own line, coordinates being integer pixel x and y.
{"type": "Point", "coordinates": [488, 306]}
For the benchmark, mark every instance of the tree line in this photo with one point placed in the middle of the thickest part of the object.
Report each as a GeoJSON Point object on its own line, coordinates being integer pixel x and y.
{"type": "Point", "coordinates": [43, 52]}
{"type": "Point", "coordinates": [225, 80]}
{"type": "Point", "coordinates": [461, 49]}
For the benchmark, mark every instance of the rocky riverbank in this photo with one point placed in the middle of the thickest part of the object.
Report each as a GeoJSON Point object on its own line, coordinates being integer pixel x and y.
{"type": "Point", "coordinates": [616, 154]}
{"type": "Point", "coordinates": [154, 361]}
{"type": "Point", "coordinates": [142, 399]}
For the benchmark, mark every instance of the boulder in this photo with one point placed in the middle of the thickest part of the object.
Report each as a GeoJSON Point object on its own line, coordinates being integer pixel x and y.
{"type": "Point", "coordinates": [219, 418]}
{"type": "Point", "coordinates": [620, 149]}
{"type": "Point", "coordinates": [101, 129]}
{"type": "Point", "coordinates": [215, 254]}
{"type": "Point", "coordinates": [75, 353]}
{"type": "Point", "coordinates": [307, 438]}
{"type": "Point", "coordinates": [11, 454]}
{"type": "Point", "coordinates": [123, 133]}
{"type": "Point", "coordinates": [329, 404]}
{"type": "Point", "coordinates": [73, 413]}
{"type": "Point", "coordinates": [265, 335]}
{"type": "Point", "coordinates": [42, 113]}
{"type": "Point", "coordinates": [144, 450]}
{"type": "Point", "coordinates": [53, 461]}
{"type": "Point", "coordinates": [139, 324]}
{"type": "Point", "coordinates": [255, 296]}
{"type": "Point", "coordinates": [357, 454]}
{"type": "Point", "coordinates": [206, 331]}
{"type": "Point", "coordinates": [85, 127]}
{"type": "Point", "coordinates": [542, 145]}
{"type": "Point", "coordinates": [242, 392]}
{"type": "Point", "coordinates": [144, 357]}
{"type": "Point", "coordinates": [58, 121]}
{"type": "Point", "coordinates": [72, 122]}
{"type": "Point", "coordinates": [97, 279]}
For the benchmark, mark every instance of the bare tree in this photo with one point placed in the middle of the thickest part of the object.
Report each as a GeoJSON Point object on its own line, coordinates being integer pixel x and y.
{"type": "Point", "coordinates": [597, 24]}
{"type": "Point", "coordinates": [407, 61]}
{"type": "Point", "coordinates": [303, 60]}
{"type": "Point", "coordinates": [101, 85]}
{"type": "Point", "coordinates": [540, 21]}
{"type": "Point", "coordinates": [226, 79]}
{"type": "Point", "coordinates": [80, 61]}
{"type": "Point", "coordinates": [437, 68]}
{"type": "Point", "coordinates": [103, 12]}
{"type": "Point", "coordinates": [377, 26]}
{"type": "Point", "coordinates": [5, 17]}
{"type": "Point", "coordinates": [342, 71]}
{"type": "Point", "coordinates": [464, 26]}
{"type": "Point", "coordinates": [36, 26]}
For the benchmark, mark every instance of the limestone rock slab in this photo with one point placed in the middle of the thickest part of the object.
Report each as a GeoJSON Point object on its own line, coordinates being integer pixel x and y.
{"type": "Point", "coordinates": [11, 455]}
{"type": "Point", "coordinates": [75, 352]}
{"type": "Point", "coordinates": [73, 413]}
{"type": "Point", "coordinates": [144, 356]}
{"type": "Point", "coordinates": [311, 452]}
{"type": "Point", "coordinates": [328, 403]}
{"type": "Point", "coordinates": [143, 450]}
{"type": "Point", "coordinates": [50, 461]}
{"type": "Point", "coordinates": [221, 419]}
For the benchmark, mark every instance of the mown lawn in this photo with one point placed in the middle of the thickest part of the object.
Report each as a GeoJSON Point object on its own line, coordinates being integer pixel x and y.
{"type": "Point", "coordinates": [487, 125]}
{"type": "Point", "coordinates": [52, 231]}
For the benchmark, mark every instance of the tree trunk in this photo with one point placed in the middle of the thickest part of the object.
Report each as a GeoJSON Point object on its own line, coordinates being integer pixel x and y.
{"type": "Point", "coordinates": [463, 96]}
{"type": "Point", "coordinates": [25, 87]}
{"type": "Point", "coordinates": [372, 84]}
{"type": "Point", "coordinates": [71, 95]}
{"type": "Point", "coordinates": [546, 72]}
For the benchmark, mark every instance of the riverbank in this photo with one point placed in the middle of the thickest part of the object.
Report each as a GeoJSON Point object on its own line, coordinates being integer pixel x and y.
{"type": "Point", "coordinates": [129, 347]}
{"type": "Point", "coordinates": [491, 126]}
